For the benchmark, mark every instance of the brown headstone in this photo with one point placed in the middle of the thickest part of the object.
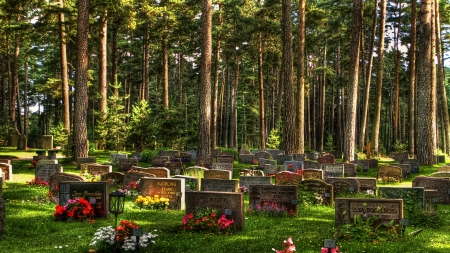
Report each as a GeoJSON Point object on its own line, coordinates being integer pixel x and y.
{"type": "Point", "coordinates": [312, 174]}
{"type": "Point", "coordinates": [323, 189]}
{"type": "Point", "coordinates": [247, 158]}
{"type": "Point", "coordinates": [159, 161]}
{"type": "Point", "coordinates": [406, 169]}
{"type": "Point", "coordinates": [98, 169]}
{"type": "Point", "coordinates": [366, 184]}
{"type": "Point", "coordinates": [283, 195]}
{"type": "Point", "coordinates": [219, 201]}
{"type": "Point", "coordinates": [311, 165]}
{"type": "Point", "coordinates": [126, 164]}
{"type": "Point", "coordinates": [62, 177]}
{"type": "Point", "coordinates": [114, 178]}
{"type": "Point", "coordinates": [217, 174]}
{"type": "Point", "coordinates": [350, 185]}
{"type": "Point", "coordinates": [134, 177]}
{"type": "Point", "coordinates": [204, 162]}
{"type": "Point", "coordinates": [244, 152]}
{"type": "Point", "coordinates": [225, 159]}
{"type": "Point", "coordinates": [170, 188]}
{"type": "Point", "coordinates": [326, 159]}
{"type": "Point", "coordinates": [158, 172]}
{"type": "Point", "coordinates": [442, 185]}
{"type": "Point", "coordinates": [390, 171]}
{"type": "Point", "coordinates": [440, 169]}
{"type": "Point", "coordinates": [399, 157]}
{"type": "Point", "coordinates": [385, 209]}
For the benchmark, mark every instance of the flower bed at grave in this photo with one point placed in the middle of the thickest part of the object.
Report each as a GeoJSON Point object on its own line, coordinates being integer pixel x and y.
{"type": "Point", "coordinates": [152, 203]}
{"type": "Point", "coordinates": [77, 209]}
{"type": "Point", "coordinates": [290, 178]}
{"type": "Point", "coordinates": [38, 182]}
{"type": "Point", "coordinates": [206, 220]}
{"type": "Point", "coordinates": [121, 239]}
{"type": "Point", "coordinates": [270, 209]}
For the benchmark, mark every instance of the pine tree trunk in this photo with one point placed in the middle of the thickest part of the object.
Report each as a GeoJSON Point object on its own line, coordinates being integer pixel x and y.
{"type": "Point", "coordinates": [262, 119]}
{"type": "Point", "coordinates": [301, 76]}
{"type": "Point", "coordinates": [412, 83]}
{"type": "Point", "coordinates": [64, 70]}
{"type": "Point", "coordinates": [103, 63]}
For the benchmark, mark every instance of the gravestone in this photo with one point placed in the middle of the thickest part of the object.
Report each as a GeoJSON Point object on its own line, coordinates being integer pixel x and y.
{"type": "Point", "coordinates": [299, 157]}
{"type": "Point", "coordinates": [62, 177]}
{"type": "Point", "coordinates": [195, 171]}
{"type": "Point", "coordinates": [158, 171]}
{"type": "Point", "coordinates": [406, 169]}
{"type": "Point", "coordinates": [175, 168]}
{"type": "Point", "coordinates": [312, 174]}
{"type": "Point", "coordinates": [386, 171]}
{"type": "Point", "coordinates": [351, 184]}
{"type": "Point", "coordinates": [225, 159]}
{"type": "Point", "coordinates": [410, 195]}
{"type": "Point", "coordinates": [283, 195]}
{"type": "Point", "coordinates": [217, 174]}
{"type": "Point", "coordinates": [431, 202]}
{"type": "Point", "coordinates": [193, 154]}
{"type": "Point", "coordinates": [247, 158]}
{"type": "Point", "coordinates": [170, 188]}
{"type": "Point", "coordinates": [332, 170]}
{"type": "Point", "coordinates": [441, 174]}
{"type": "Point", "coordinates": [222, 166]}
{"type": "Point", "coordinates": [270, 169]}
{"type": "Point", "coordinates": [262, 162]}
{"type": "Point", "coordinates": [184, 157]}
{"type": "Point", "coordinates": [337, 154]}
{"type": "Point", "coordinates": [257, 151]}
{"type": "Point", "coordinates": [47, 141]}
{"type": "Point", "coordinates": [247, 181]}
{"type": "Point", "coordinates": [22, 142]}
{"type": "Point", "coordinates": [275, 153]}
{"type": "Point", "coordinates": [442, 185]}
{"type": "Point", "coordinates": [311, 165]}
{"type": "Point", "coordinates": [98, 169]}
{"type": "Point", "coordinates": [263, 155]}
{"type": "Point", "coordinates": [414, 163]}
{"type": "Point", "coordinates": [114, 179]}
{"type": "Point", "coordinates": [326, 159]}
{"type": "Point", "coordinates": [440, 169]}
{"type": "Point", "coordinates": [293, 165]}
{"type": "Point", "coordinates": [47, 161]}
{"type": "Point", "coordinates": [204, 162]}
{"type": "Point", "coordinates": [218, 201]}
{"type": "Point", "coordinates": [215, 153]}
{"type": "Point", "coordinates": [321, 188]}
{"type": "Point", "coordinates": [385, 209]}
{"type": "Point", "coordinates": [219, 185]}
{"type": "Point", "coordinates": [7, 161]}
{"type": "Point", "coordinates": [349, 169]}
{"type": "Point", "coordinates": [373, 163]}
{"type": "Point", "coordinates": [288, 178]}
{"type": "Point", "coordinates": [138, 169]}
{"type": "Point", "coordinates": [284, 158]}
{"type": "Point", "coordinates": [367, 184]}
{"type": "Point", "coordinates": [400, 157]}
{"type": "Point", "coordinates": [125, 164]}
{"type": "Point", "coordinates": [169, 153]}
{"type": "Point", "coordinates": [96, 193]}
{"type": "Point", "coordinates": [45, 171]}
{"type": "Point", "coordinates": [13, 137]}
{"type": "Point", "coordinates": [244, 152]}
{"type": "Point", "coordinates": [312, 156]}
{"type": "Point", "coordinates": [159, 161]}
{"type": "Point", "coordinates": [363, 164]}
{"type": "Point", "coordinates": [135, 177]}
{"type": "Point", "coordinates": [85, 160]}
{"type": "Point", "coordinates": [191, 183]}
{"type": "Point", "coordinates": [7, 169]}
{"type": "Point", "coordinates": [36, 159]}
{"type": "Point", "coordinates": [117, 157]}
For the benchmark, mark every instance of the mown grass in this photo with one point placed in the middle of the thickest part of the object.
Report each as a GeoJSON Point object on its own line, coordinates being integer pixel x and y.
{"type": "Point", "coordinates": [30, 225]}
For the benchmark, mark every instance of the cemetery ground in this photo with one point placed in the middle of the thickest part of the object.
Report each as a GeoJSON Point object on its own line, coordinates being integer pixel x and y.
{"type": "Point", "coordinates": [31, 226]}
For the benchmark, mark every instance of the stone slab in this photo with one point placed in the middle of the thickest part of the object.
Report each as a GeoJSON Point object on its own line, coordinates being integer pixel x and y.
{"type": "Point", "coordinates": [323, 189]}
{"type": "Point", "coordinates": [218, 174]}
{"type": "Point", "coordinates": [173, 189]}
{"type": "Point", "coordinates": [220, 185]}
{"type": "Point", "coordinates": [283, 195]}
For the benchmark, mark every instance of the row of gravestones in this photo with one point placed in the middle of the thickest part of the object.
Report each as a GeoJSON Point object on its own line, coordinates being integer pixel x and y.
{"type": "Point", "coordinates": [15, 139]}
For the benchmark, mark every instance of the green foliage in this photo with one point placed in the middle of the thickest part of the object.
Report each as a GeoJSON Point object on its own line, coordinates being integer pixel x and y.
{"type": "Point", "coordinates": [142, 129]}
{"type": "Point", "coordinates": [4, 134]}
{"type": "Point", "coordinates": [60, 136]}
{"type": "Point", "coordinates": [274, 139]}
{"type": "Point", "coordinates": [146, 155]}
{"type": "Point", "coordinates": [400, 147]}
{"type": "Point", "coordinates": [229, 150]}
{"type": "Point", "coordinates": [329, 143]}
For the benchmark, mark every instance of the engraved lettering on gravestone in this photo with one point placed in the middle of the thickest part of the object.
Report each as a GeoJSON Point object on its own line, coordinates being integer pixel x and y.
{"type": "Point", "coordinates": [222, 166]}
{"type": "Point", "coordinates": [247, 181]}
{"type": "Point", "coordinates": [217, 174]}
{"type": "Point", "coordinates": [332, 170]}
{"type": "Point", "coordinates": [166, 188]}
{"type": "Point", "coordinates": [45, 171]}
{"type": "Point", "coordinates": [220, 185]}
{"type": "Point", "coordinates": [312, 174]}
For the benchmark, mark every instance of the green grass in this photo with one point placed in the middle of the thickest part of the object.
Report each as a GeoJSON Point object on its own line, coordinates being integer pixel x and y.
{"type": "Point", "coordinates": [30, 226]}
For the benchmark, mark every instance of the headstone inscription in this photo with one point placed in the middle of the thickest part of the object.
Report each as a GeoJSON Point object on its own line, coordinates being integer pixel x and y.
{"type": "Point", "coordinates": [48, 161]}
{"type": "Point", "coordinates": [158, 161]}
{"type": "Point", "coordinates": [361, 165]}
{"type": "Point", "coordinates": [406, 169]}
{"type": "Point", "coordinates": [7, 169]}
{"type": "Point", "coordinates": [349, 169]}
{"type": "Point", "coordinates": [311, 165]}
{"type": "Point", "coordinates": [219, 185]}
{"type": "Point", "coordinates": [85, 160]}
{"type": "Point", "coordinates": [414, 163]}
{"type": "Point", "coordinates": [388, 171]}
{"type": "Point", "coordinates": [62, 177]}
{"type": "Point", "coordinates": [170, 188]}
{"type": "Point", "coordinates": [332, 170]}
{"type": "Point", "coordinates": [219, 201]}
{"type": "Point", "coordinates": [225, 159]}
{"type": "Point", "coordinates": [385, 209]}
{"type": "Point", "coordinates": [45, 171]}
{"type": "Point", "coordinates": [98, 169]}
{"type": "Point", "coordinates": [326, 159]}
{"type": "Point", "coordinates": [285, 196]}
{"type": "Point", "coordinates": [205, 162]}
{"type": "Point", "coordinates": [217, 174]}
{"type": "Point", "coordinates": [222, 166]}
{"type": "Point", "coordinates": [442, 185]}
{"type": "Point", "coordinates": [323, 190]}
{"type": "Point", "coordinates": [96, 193]}
{"type": "Point", "coordinates": [343, 185]}
{"type": "Point", "coordinates": [312, 174]}
{"type": "Point", "coordinates": [247, 158]}
{"type": "Point", "coordinates": [247, 181]}
{"type": "Point", "coordinates": [412, 196]}
{"type": "Point", "coordinates": [125, 164]}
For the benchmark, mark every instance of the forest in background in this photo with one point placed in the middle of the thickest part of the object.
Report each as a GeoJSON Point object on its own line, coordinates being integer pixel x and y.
{"type": "Point", "coordinates": [276, 74]}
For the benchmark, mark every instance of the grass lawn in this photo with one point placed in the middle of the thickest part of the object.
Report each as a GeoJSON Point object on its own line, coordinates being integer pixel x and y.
{"type": "Point", "coordinates": [31, 227]}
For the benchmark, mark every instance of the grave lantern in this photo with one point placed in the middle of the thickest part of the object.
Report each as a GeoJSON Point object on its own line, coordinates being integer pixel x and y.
{"type": "Point", "coordinates": [116, 203]}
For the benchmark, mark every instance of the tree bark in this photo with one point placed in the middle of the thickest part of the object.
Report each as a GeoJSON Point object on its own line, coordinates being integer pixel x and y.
{"type": "Point", "coordinates": [412, 82]}
{"type": "Point", "coordinates": [81, 91]}
{"type": "Point", "coordinates": [64, 70]}
{"type": "Point", "coordinates": [103, 63]}
{"type": "Point", "coordinates": [301, 76]}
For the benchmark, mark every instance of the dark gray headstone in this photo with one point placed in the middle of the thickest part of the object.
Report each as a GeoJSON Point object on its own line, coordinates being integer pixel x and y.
{"type": "Point", "coordinates": [284, 158]}
{"type": "Point", "coordinates": [442, 185]}
{"type": "Point", "coordinates": [332, 170]}
{"type": "Point", "coordinates": [159, 161]}
{"type": "Point", "coordinates": [247, 158]}
{"type": "Point", "coordinates": [225, 159]}
{"type": "Point", "coordinates": [114, 178]}
{"type": "Point", "coordinates": [135, 177]}
{"type": "Point", "coordinates": [204, 162]}
{"type": "Point", "coordinates": [282, 195]}
{"type": "Point", "coordinates": [247, 181]}
{"type": "Point", "coordinates": [351, 184]}
{"type": "Point", "coordinates": [275, 153]}
{"type": "Point", "coordinates": [367, 184]}
{"type": "Point", "coordinates": [117, 157]}
{"type": "Point", "coordinates": [311, 165]}
{"type": "Point", "coordinates": [293, 165]}
{"type": "Point", "coordinates": [363, 164]}
{"type": "Point", "coordinates": [337, 154]}
{"type": "Point", "coordinates": [191, 183]}
{"type": "Point", "coordinates": [406, 169]}
{"type": "Point", "coordinates": [219, 185]}
{"type": "Point", "coordinates": [270, 169]}
{"type": "Point", "coordinates": [373, 163]}
{"type": "Point", "coordinates": [262, 162]}
{"type": "Point", "coordinates": [126, 164]}
{"type": "Point", "coordinates": [312, 156]}
{"type": "Point", "coordinates": [414, 163]}
{"type": "Point", "coordinates": [349, 169]}
{"type": "Point", "coordinates": [399, 157]}
{"type": "Point", "coordinates": [45, 171]}
{"type": "Point", "coordinates": [299, 157]}
{"type": "Point", "coordinates": [263, 155]}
